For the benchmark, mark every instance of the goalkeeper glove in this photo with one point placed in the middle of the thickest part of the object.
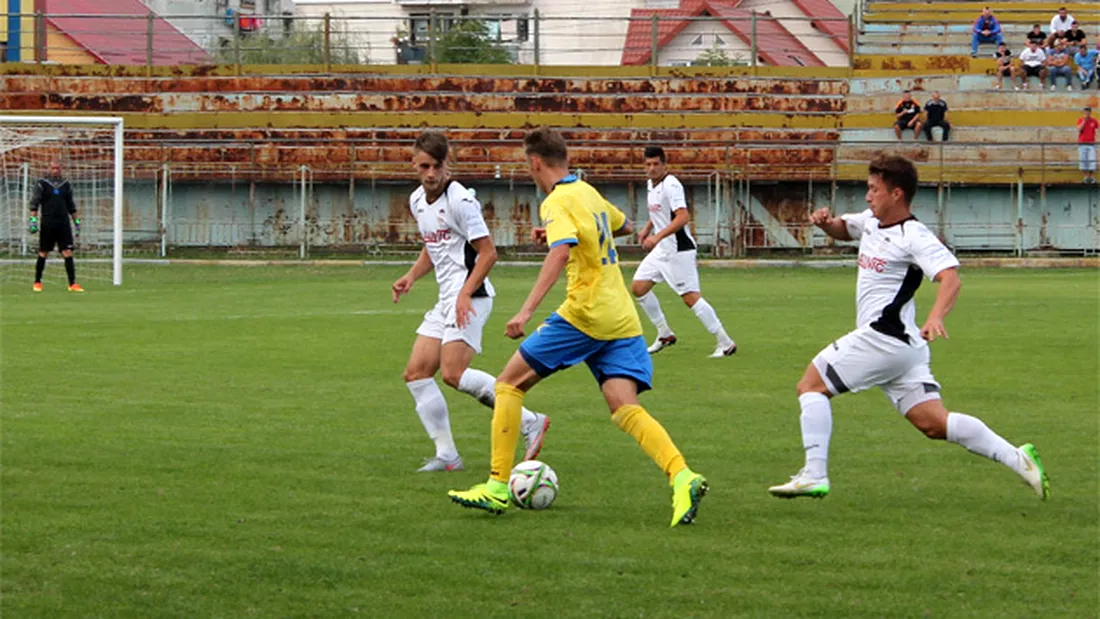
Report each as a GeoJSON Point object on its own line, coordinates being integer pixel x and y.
{"type": "Point", "coordinates": [34, 224]}
{"type": "Point", "coordinates": [76, 220]}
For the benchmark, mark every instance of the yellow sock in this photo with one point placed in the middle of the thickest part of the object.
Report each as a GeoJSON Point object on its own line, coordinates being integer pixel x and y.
{"type": "Point", "coordinates": [507, 414]}
{"type": "Point", "coordinates": [651, 436]}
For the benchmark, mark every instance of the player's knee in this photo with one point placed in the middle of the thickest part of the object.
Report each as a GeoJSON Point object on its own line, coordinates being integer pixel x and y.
{"type": "Point", "coordinates": [811, 384]}
{"type": "Point", "coordinates": [932, 429]}
{"type": "Point", "coordinates": [691, 298]}
{"type": "Point", "coordinates": [639, 289]}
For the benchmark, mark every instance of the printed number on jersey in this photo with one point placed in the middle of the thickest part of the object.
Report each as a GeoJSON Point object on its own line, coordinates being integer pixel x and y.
{"type": "Point", "coordinates": [607, 242]}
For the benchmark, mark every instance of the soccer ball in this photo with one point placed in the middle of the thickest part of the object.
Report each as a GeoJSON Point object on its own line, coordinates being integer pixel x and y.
{"type": "Point", "coordinates": [533, 485]}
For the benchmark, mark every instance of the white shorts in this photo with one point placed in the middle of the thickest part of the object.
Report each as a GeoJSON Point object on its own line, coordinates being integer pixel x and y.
{"type": "Point", "coordinates": [1087, 155]}
{"type": "Point", "coordinates": [866, 358]}
{"type": "Point", "coordinates": [677, 269]}
{"type": "Point", "coordinates": [440, 323]}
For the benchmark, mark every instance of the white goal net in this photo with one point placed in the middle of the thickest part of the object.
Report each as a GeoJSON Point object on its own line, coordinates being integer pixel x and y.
{"type": "Point", "coordinates": [88, 151]}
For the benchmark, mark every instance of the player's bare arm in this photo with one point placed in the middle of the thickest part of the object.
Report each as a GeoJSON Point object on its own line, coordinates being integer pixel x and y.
{"type": "Point", "coordinates": [679, 220]}
{"type": "Point", "coordinates": [835, 227]}
{"type": "Point", "coordinates": [420, 268]}
{"type": "Point", "coordinates": [486, 258]}
{"type": "Point", "coordinates": [950, 285]}
{"type": "Point", "coordinates": [552, 268]}
{"type": "Point", "coordinates": [646, 230]}
{"type": "Point", "coordinates": [626, 230]}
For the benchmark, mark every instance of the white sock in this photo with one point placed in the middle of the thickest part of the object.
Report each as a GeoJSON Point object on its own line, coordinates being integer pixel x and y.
{"type": "Point", "coordinates": [652, 308]}
{"type": "Point", "coordinates": [972, 433]}
{"type": "Point", "coordinates": [817, 427]}
{"type": "Point", "coordinates": [432, 409]}
{"type": "Point", "coordinates": [710, 320]}
{"type": "Point", "coordinates": [481, 386]}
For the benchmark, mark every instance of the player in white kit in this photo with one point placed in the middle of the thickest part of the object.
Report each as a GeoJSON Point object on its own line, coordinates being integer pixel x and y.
{"type": "Point", "coordinates": [458, 247]}
{"type": "Point", "coordinates": [671, 258]}
{"type": "Point", "coordinates": [887, 350]}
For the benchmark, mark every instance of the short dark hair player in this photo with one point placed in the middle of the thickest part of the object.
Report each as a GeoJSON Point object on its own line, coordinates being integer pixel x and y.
{"type": "Point", "coordinates": [53, 196]}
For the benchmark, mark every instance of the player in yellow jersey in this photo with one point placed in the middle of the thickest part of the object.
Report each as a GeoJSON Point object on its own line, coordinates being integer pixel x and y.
{"type": "Point", "coordinates": [597, 324]}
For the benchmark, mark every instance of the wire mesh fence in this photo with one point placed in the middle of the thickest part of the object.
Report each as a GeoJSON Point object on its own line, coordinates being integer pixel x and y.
{"type": "Point", "coordinates": [741, 38]}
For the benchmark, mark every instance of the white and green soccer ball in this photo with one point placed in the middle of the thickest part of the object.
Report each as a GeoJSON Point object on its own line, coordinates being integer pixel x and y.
{"type": "Point", "coordinates": [533, 485]}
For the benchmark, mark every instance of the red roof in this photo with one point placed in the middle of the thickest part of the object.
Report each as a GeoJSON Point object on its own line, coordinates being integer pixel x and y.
{"type": "Point", "coordinates": [775, 44]}
{"type": "Point", "coordinates": [835, 27]}
{"type": "Point", "coordinates": [118, 38]}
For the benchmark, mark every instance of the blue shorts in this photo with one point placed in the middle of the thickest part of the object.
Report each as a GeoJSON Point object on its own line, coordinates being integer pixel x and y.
{"type": "Point", "coordinates": [557, 345]}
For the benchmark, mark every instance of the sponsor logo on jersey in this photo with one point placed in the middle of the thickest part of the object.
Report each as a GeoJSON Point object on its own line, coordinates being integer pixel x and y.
{"type": "Point", "coordinates": [443, 234]}
{"type": "Point", "coordinates": [878, 265]}
{"type": "Point", "coordinates": [654, 208]}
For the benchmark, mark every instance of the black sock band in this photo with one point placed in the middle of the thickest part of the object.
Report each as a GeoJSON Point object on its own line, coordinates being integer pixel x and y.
{"type": "Point", "coordinates": [70, 268]}
{"type": "Point", "coordinates": [38, 268]}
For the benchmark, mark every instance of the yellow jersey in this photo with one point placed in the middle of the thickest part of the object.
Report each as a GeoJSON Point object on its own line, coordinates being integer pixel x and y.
{"type": "Point", "coordinates": [597, 301]}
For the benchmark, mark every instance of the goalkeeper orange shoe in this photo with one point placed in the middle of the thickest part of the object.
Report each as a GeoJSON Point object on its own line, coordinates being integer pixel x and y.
{"type": "Point", "coordinates": [75, 288]}
{"type": "Point", "coordinates": [37, 287]}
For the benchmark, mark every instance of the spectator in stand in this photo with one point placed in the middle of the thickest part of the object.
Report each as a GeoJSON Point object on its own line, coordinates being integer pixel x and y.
{"type": "Point", "coordinates": [1058, 63]}
{"type": "Point", "coordinates": [1005, 66]}
{"type": "Point", "coordinates": [1037, 35]}
{"type": "Point", "coordinates": [1033, 61]}
{"type": "Point", "coordinates": [1061, 22]}
{"type": "Point", "coordinates": [907, 112]}
{"type": "Point", "coordinates": [935, 112]}
{"type": "Point", "coordinates": [1074, 36]}
{"type": "Point", "coordinates": [986, 30]}
{"type": "Point", "coordinates": [1085, 59]}
{"type": "Point", "coordinates": [1086, 145]}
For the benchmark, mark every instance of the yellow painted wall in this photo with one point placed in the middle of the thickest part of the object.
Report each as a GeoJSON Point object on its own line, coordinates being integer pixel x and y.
{"type": "Point", "coordinates": [27, 38]}
{"type": "Point", "coordinates": [60, 48]}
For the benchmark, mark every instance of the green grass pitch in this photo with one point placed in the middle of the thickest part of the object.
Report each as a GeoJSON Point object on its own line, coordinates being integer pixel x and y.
{"type": "Point", "coordinates": [237, 442]}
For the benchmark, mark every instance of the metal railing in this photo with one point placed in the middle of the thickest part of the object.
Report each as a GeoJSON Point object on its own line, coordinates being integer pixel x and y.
{"type": "Point", "coordinates": [747, 39]}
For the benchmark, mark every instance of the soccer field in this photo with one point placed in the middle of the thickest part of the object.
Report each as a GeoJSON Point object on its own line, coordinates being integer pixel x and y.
{"type": "Point", "coordinates": [238, 442]}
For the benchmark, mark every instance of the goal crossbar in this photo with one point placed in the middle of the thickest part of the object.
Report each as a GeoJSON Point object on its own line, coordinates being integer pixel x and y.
{"type": "Point", "coordinates": [117, 123]}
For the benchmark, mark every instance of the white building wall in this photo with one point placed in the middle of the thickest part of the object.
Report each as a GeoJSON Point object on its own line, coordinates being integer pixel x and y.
{"type": "Point", "coordinates": [701, 36]}
{"type": "Point", "coordinates": [372, 31]}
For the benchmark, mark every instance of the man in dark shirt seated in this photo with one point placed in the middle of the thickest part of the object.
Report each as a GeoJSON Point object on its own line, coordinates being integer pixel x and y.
{"type": "Point", "coordinates": [936, 116]}
{"type": "Point", "coordinates": [1037, 35]}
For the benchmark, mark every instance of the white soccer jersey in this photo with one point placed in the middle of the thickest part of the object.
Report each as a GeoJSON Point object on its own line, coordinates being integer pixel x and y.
{"type": "Point", "coordinates": [892, 261]}
{"type": "Point", "coordinates": [447, 226]}
{"type": "Point", "coordinates": [665, 198]}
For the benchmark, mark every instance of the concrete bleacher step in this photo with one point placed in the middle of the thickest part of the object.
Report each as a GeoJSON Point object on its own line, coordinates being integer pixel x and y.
{"type": "Point", "coordinates": [927, 83]}
{"type": "Point", "coordinates": [974, 118]}
{"type": "Point", "coordinates": [1008, 100]}
{"type": "Point", "coordinates": [964, 154]}
{"type": "Point", "coordinates": [954, 49]}
{"type": "Point", "coordinates": [1086, 17]}
{"type": "Point", "coordinates": [977, 174]}
{"type": "Point", "coordinates": [968, 5]}
{"type": "Point", "coordinates": [1004, 135]}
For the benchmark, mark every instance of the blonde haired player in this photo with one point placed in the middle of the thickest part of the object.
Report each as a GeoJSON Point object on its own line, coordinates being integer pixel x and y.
{"type": "Point", "coordinates": [671, 258]}
{"type": "Point", "coordinates": [887, 350]}
{"type": "Point", "coordinates": [457, 246]}
{"type": "Point", "coordinates": [597, 324]}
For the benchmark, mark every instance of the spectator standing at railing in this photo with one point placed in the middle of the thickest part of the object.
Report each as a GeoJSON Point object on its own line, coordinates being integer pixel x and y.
{"type": "Point", "coordinates": [1061, 22]}
{"type": "Point", "coordinates": [1037, 35]}
{"type": "Point", "coordinates": [907, 112]}
{"type": "Point", "coordinates": [1033, 61]}
{"type": "Point", "coordinates": [1058, 62]}
{"type": "Point", "coordinates": [1004, 67]}
{"type": "Point", "coordinates": [986, 30]}
{"type": "Point", "coordinates": [936, 116]}
{"type": "Point", "coordinates": [1086, 145]}
{"type": "Point", "coordinates": [1085, 59]}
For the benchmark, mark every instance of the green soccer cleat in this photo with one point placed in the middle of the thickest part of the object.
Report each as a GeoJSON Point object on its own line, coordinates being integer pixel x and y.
{"type": "Point", "coordinates": [1034, 474]}
{"type": "Point", "coordinates": [802, 485]}
{"type": "Point", "coordinates": [688, 490]}
{"type": "Point", "coordinates": [481, 497]}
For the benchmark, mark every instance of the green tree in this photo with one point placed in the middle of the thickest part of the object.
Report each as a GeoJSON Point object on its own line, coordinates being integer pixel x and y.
{"type": "Point", "coordinates": [717, 57]}
{"type": "Point", "coordinates": [468, 42]}
{"type": "Point", "coordinates": [304, 44]}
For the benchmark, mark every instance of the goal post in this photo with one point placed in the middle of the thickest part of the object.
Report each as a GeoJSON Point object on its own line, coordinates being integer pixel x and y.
{"type": "Point", "coordinates": [90, 146]}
